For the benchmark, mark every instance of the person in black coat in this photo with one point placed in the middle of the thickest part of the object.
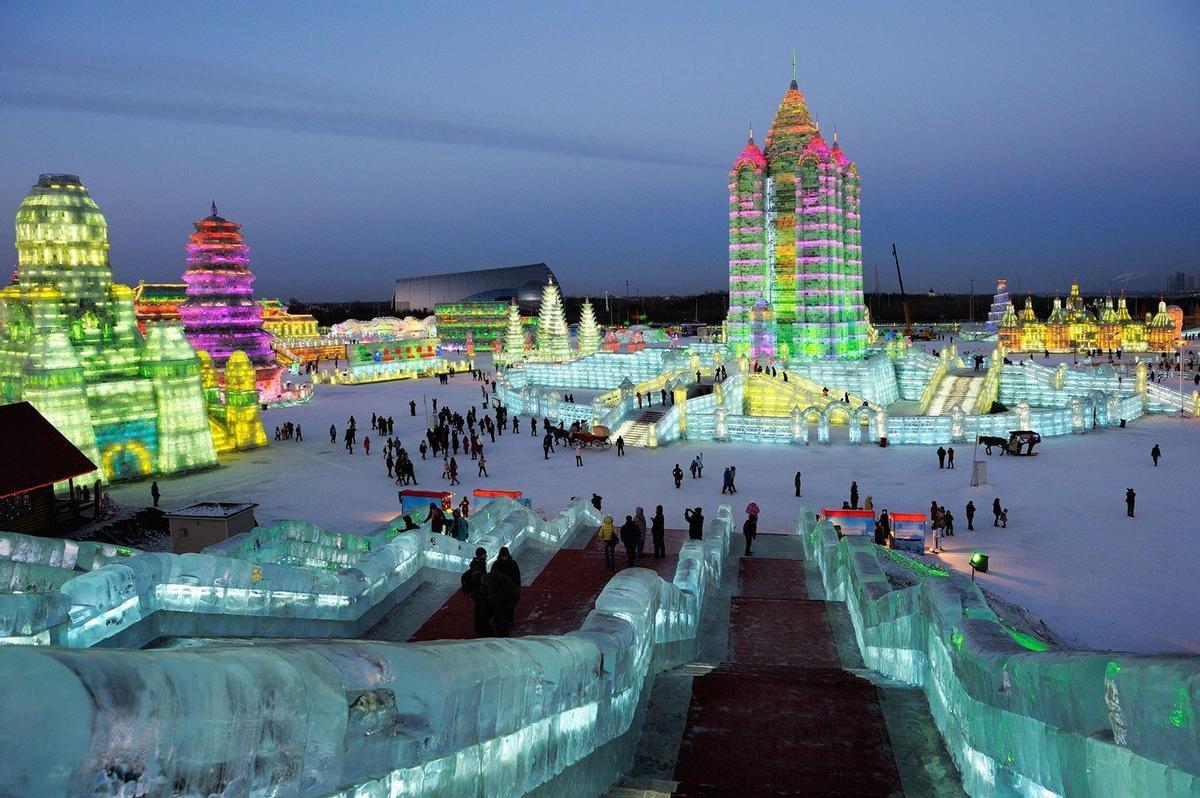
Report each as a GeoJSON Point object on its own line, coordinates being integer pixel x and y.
{"type": "Point", "coordinates": [695, 521]}
{"type": "Point", "coordinates": [1130, 498]}
{"type": "Point", "coordinates": [750, 530]}
{"type": "Point", "coordinates": [941, 453]}
{"type": "Point", "coordinates": [677, 473]}
{"type": "Point", "coordinates": [596, 501]}
{"type": "Point", "coordinates": [502, 594]}
{"type": "Point", "coordinates": [658, 530]}
{"type": "Point", "coordinates": [630, 537]}
{"type": "Point", "coordinates": [970, 515]}
{"type": "Point", "coordinates": [797, 481]}
{"type": "Point", "coordinates": [506, 565]}
{"type": "Point", "coordinates": [997, 511]}
{"type": "Point", "coordinates": [1155, 453]}
{"type": "Point", "coordinates": [473, 586]}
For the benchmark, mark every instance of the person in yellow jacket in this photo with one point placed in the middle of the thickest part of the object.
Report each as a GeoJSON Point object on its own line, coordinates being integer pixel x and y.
{"type": "Point", "coordinates": [608, 536]}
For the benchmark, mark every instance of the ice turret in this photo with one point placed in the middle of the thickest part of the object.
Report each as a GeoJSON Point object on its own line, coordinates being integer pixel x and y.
{"type": "Point", "coordinates": [170, 364]}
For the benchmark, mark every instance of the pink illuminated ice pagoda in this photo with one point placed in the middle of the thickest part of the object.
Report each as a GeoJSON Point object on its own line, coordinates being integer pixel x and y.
{"type": "Point", "coordinates": [220, 314]}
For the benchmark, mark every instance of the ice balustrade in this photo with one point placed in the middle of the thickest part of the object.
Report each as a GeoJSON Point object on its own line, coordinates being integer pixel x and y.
{"type": "Point", "coordinates": [874, 378]}
{"type": "Point", "coordinates": [229, 596]}
{"type": "Point", "coordinates": [600, 371]}
{"type": "Point", "coordinates": [358, 718]}
{"type": "Point", "coordinates": [671, 427]}
{"type": "Point", "coordinates": [1163, 399]}
{"type": "Point", "coordinates": [913, 373]}
{"type": "Point", "coordinates": [1018, 722]}
{"type": "Point", "coordinates": [60, 553]}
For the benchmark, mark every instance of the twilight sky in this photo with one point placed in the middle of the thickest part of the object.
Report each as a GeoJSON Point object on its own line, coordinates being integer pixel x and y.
{"type": "Point", "coordinates": [360, 142]}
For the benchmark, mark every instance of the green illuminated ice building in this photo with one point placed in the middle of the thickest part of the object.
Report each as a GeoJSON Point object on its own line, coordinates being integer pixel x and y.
{"type": "Point", "coordinates": [70, 345]}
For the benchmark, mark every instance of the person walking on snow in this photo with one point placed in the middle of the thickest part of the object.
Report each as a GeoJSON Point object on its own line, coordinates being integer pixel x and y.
{"type": "Point", "coordinates": [1155, 453]}
{"type": "Point", "coordinates": [482, 465]}
{"type": "Point", "coordinates": [367, 445]}
{"type": "Point", "coordinates": [453, 471]}
{"type": "Point", "coordinates": [412, 407]}
{"type": "Point", "coordinates": [332, 434]}
{"type": "Point", "coordinates": [950, 457]}
{"type": "Point", "coordinates": [620, 446]}
{"type": "Point", "coordinates": [1130, 499]}
{"type": "Point", "coordinates": [608, 538]}
{"type": "Point", "coordinates": [677, 474]}
{"type": "Point", "coordinates": [797, 482]}
{"type": "Point", "coordinates": [941, 453]}
{"type": "Point", "coordinates": [578, 450]}
{"type": "Point", "coordinates": [154, 493]}
{"type": "Point", "coordinates": [700, 466]}
{"type": "Point", "coordinates": [997, 510]}
{"type": "Point", "coordinates": [971, 515]}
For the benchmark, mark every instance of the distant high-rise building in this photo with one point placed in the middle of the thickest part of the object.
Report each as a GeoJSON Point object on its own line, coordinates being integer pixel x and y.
{"type": "Point", "coordinates": [795, 257]}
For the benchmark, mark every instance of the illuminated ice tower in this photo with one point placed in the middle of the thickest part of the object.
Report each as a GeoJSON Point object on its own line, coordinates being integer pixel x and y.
{"type": "Point", "coordinates": [220, 315]}
{"type": "Point", "coordinates": [794, 240]}
{"type": "Point", "coordinates": [70, 345]}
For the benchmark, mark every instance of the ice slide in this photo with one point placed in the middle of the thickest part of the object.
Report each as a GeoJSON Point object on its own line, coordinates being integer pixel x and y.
{"type": "Point", "coordinates": [347, 717]}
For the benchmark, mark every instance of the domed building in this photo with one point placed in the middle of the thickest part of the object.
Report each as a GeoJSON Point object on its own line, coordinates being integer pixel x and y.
{"type": "Point", "coordinates": [219, 314]}
{"type": "Point", "coordinates": [71, 347]}
{"type": "Point", "coordinates": [794, 241]}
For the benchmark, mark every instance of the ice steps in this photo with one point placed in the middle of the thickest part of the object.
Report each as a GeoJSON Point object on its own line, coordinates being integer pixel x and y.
{"type": "Point", "coordinates": [636, 430]}
{"type": "Point", "coordinates": [642, 787]}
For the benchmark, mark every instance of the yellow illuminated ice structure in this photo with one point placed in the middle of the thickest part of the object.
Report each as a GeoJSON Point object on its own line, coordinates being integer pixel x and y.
{"type": "Point", "coordinates": [765, 395]}
{"type": "Point", "coordinates": [70, 345]}
{"type": "Point", "coordinates": [235, 422]}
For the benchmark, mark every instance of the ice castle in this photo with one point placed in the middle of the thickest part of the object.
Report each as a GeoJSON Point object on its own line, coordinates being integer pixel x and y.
{"type": "Point", "coordinates": [795, 253]}
{"type": "Point", "coordinates": [70, 345]}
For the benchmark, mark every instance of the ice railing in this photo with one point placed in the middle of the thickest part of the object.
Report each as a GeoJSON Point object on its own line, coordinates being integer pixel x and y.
{"type": "Point", "coordinates": [253, 598]}
{"type": "Point", "coordinates": [495, 717]}
{"type": "Point", "coordinates": [1018, 722]}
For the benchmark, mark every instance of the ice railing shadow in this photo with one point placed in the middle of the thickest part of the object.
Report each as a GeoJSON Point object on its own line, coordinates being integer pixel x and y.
{"type": "Point", "coordinates": [310, 718]}
{"type": "Point", "coordinates": [242, 584]}
{"type": "Point", "coordinates": [1018, 722]}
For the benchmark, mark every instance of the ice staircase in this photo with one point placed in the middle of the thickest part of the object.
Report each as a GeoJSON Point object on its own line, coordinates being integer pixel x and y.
{"type": "Point", "coordinates": [637, 428]}
{"type": "Point", "coordinates": [957, 389]}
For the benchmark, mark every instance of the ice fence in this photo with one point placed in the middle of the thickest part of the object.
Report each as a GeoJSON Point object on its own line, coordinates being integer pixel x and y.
{"type": "Point", "coordinates": [292, 579]}
{"type": "Point", "coordinates": [1018, 722]}
{"type": "Point", "coordinates": [490, 717]}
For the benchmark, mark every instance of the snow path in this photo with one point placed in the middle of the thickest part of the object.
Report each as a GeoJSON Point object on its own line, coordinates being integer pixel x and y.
{"type": "Point", "coordinates": [1070, 555]}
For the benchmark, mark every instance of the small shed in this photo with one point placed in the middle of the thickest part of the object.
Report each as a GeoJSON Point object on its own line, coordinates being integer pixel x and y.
{"type": "Point", "coordinates": [34, 457]}
{"type": "Point", "coordinates": [203, 524]}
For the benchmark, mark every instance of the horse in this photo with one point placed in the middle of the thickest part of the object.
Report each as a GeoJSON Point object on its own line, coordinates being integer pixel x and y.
{"type": "Point", "coordinates": [988, 441]}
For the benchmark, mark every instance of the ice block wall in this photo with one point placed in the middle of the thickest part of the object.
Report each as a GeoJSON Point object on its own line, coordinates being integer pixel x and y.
{"type": "Point", "coordinates": [131, 602]}
{"type": "Point", "coordinates": [1018, 722]}
{"type": "Point", "coordinates": [491, 717]}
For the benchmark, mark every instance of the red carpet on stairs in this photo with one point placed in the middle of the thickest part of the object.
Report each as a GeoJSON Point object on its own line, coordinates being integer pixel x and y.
{"type": "Point", "coordinates": [559, 598]}
{"type": "Point", "coordinates": [781, 632]}
{"type": "Point", "coordinates": [781, 717]}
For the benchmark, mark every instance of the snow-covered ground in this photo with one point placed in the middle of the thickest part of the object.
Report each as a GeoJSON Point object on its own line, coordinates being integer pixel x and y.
{"type": "Point", "coordinates": [1070, 555]}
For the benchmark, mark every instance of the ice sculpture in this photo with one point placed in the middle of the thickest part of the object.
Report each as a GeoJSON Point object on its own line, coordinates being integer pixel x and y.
{"type": "Point", "coordinates": [1018, 721]}
{"type": "Point", "coordinates": [494, 717]}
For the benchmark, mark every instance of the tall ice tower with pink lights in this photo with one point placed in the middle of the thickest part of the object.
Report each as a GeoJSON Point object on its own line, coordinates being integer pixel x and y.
{"type": "Point", "coordinates": [220, 315]}
{"type": "Point", "coordinates": [795, 253]}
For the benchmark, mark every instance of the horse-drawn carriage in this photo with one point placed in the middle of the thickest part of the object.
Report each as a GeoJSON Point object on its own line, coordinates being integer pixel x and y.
{"type": "Point", "coordinates": [1017, 440]}
{"type": "Point", "coordinates": [596, 439]}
